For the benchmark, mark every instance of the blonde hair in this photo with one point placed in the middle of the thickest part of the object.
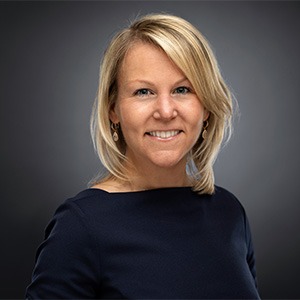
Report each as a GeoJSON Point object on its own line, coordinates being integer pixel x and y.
{"type": "Point", "coordinates": [191, 52]}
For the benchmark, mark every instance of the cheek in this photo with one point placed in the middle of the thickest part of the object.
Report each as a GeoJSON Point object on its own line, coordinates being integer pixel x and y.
{"type": "Point", "coordinates": [196, 115]}
{"type": "Point", "coordinates": [132, 113]}
{"type": "Point", "coordinates": [130, 119]}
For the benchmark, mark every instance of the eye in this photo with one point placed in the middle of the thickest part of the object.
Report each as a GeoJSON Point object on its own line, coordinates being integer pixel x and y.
{"type": "Point", "coordinates": [182, 90]}
{"type": "Point", "coordinates": [142, 92]}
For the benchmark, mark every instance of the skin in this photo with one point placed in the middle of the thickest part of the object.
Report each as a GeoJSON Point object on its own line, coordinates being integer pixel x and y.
{"type": "Point", "coordinates": [160, 116]}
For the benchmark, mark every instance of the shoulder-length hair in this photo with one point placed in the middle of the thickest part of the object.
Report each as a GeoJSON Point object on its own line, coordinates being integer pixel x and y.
{"type": "Point", "coordinates": [191, 52]}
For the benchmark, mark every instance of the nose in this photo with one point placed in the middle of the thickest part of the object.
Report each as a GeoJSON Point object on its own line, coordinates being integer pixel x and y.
{"type": "Point", "coordinates": [165, 108]}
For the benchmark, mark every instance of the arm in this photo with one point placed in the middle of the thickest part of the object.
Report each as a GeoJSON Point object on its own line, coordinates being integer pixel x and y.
{"type": "Point", "coordinates": [67, 262]}
{"type": "Point", "coordinates": [250, 254]}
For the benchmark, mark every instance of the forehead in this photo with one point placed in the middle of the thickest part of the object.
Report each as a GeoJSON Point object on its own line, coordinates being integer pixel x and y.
{"type": "Point", "coordinates": [143, 52]}
{"type": "Point", "coordinates": [144, 59]}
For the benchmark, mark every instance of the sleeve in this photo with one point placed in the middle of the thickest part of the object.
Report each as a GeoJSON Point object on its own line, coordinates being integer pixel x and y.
{"type": "Point", "coordinates": [67, 262]}
{"type": "Point", "coordinates": [250, 253]}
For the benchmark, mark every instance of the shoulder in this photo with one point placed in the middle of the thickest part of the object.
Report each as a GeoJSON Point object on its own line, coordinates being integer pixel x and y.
{"type": "Point", "coordinates": [227, 199]}
{"type": "Point", "coordinates": [78, 215]}
{"type": "Point", "coordinates": [95, 204]}
{"type": "Point", "coordinates": [86, 201]}
{"type": "Point", "coordinates": [237, 209]}
{"type": "Point", "coordinates": [77, 209]}
{"type": "Point", "coordinates": [221, 191]}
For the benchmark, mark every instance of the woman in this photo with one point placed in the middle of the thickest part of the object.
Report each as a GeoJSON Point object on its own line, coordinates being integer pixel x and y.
{"type": "Point", "coordinates": [155, 226]}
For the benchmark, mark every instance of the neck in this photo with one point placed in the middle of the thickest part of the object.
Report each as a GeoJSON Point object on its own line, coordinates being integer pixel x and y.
{"type": "Point", "coordinates": [156, 177]}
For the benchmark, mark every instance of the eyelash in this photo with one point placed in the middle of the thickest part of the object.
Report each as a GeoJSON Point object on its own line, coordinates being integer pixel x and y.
{"type": "Point", "coordinates": [186, 90]}
{"type": "Point", "coordinates": [141, 92]}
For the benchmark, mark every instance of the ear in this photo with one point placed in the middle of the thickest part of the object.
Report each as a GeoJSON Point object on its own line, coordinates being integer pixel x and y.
{"type": "Point", "coordinates": [113, 115]}
{"type": "Point", "coordinates": [206, 114]}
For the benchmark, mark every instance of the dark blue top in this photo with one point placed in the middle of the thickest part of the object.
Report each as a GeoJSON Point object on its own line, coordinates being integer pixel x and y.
{"type": "Point", "coordinates": [156, 244]}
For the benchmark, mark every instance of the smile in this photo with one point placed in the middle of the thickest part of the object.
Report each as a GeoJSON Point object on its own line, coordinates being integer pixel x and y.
{"type": "Point", "coordinates": [164, 134]}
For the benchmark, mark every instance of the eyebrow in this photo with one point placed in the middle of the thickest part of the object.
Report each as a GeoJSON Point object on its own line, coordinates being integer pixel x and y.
{"type": "Point", "coordinates": [152, 84]}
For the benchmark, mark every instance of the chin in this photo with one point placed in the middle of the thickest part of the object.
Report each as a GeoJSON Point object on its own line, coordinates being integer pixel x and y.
{"type": "Point", "coordinates": [168, 163]}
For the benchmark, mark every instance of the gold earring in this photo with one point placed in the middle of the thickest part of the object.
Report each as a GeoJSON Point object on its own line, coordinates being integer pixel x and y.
{"type": "Point", "coordinates": [204, 131]}
{"type": "Point", "coordinates": [115, 127]}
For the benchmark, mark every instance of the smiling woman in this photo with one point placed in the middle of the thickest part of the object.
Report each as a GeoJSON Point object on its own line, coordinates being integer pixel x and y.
{"type": "Point", "coordinates": [160, 117]}
{"type": "Point", "coordinates": [148, 229]}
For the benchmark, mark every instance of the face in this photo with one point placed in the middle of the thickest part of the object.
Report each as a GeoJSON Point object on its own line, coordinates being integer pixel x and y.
{"type": "Point", "coordinates": [160, 115]}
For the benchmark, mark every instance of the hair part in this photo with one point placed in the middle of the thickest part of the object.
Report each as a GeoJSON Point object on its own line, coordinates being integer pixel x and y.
{"type": "Point", "coordinates": [191, 52]}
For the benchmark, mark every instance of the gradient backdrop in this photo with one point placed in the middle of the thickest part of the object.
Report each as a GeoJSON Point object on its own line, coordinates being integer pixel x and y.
{"type": "Point", "coordinates": [50, 54]}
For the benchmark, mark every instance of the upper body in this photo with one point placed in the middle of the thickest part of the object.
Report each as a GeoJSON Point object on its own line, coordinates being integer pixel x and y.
{"type": "Point", "coordinates": [156, 244]}
{"type": "Point", "coordinates": [159, 119]}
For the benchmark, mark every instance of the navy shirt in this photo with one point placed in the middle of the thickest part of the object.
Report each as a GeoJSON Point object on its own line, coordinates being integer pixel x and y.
{"type": "Point", "coordinates": [156, 244]}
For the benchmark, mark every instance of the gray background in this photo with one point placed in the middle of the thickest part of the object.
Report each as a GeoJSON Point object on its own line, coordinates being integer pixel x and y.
{"type": "Point", "coordinates": [50, 53]}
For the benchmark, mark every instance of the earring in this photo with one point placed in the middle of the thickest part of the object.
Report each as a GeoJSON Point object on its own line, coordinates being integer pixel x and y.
{"type": "Point", "coordinates": [204, 131]}
{"type": "Point", "coordinates": [115, 127]}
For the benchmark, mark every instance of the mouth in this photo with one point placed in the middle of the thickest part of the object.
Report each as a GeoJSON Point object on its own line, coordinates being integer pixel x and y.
{"type": "Point", "coordinates": [164, 134]}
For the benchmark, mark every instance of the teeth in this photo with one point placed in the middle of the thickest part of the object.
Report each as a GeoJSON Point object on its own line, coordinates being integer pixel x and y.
{"type": "Point", "coordinates": [164, 134]}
